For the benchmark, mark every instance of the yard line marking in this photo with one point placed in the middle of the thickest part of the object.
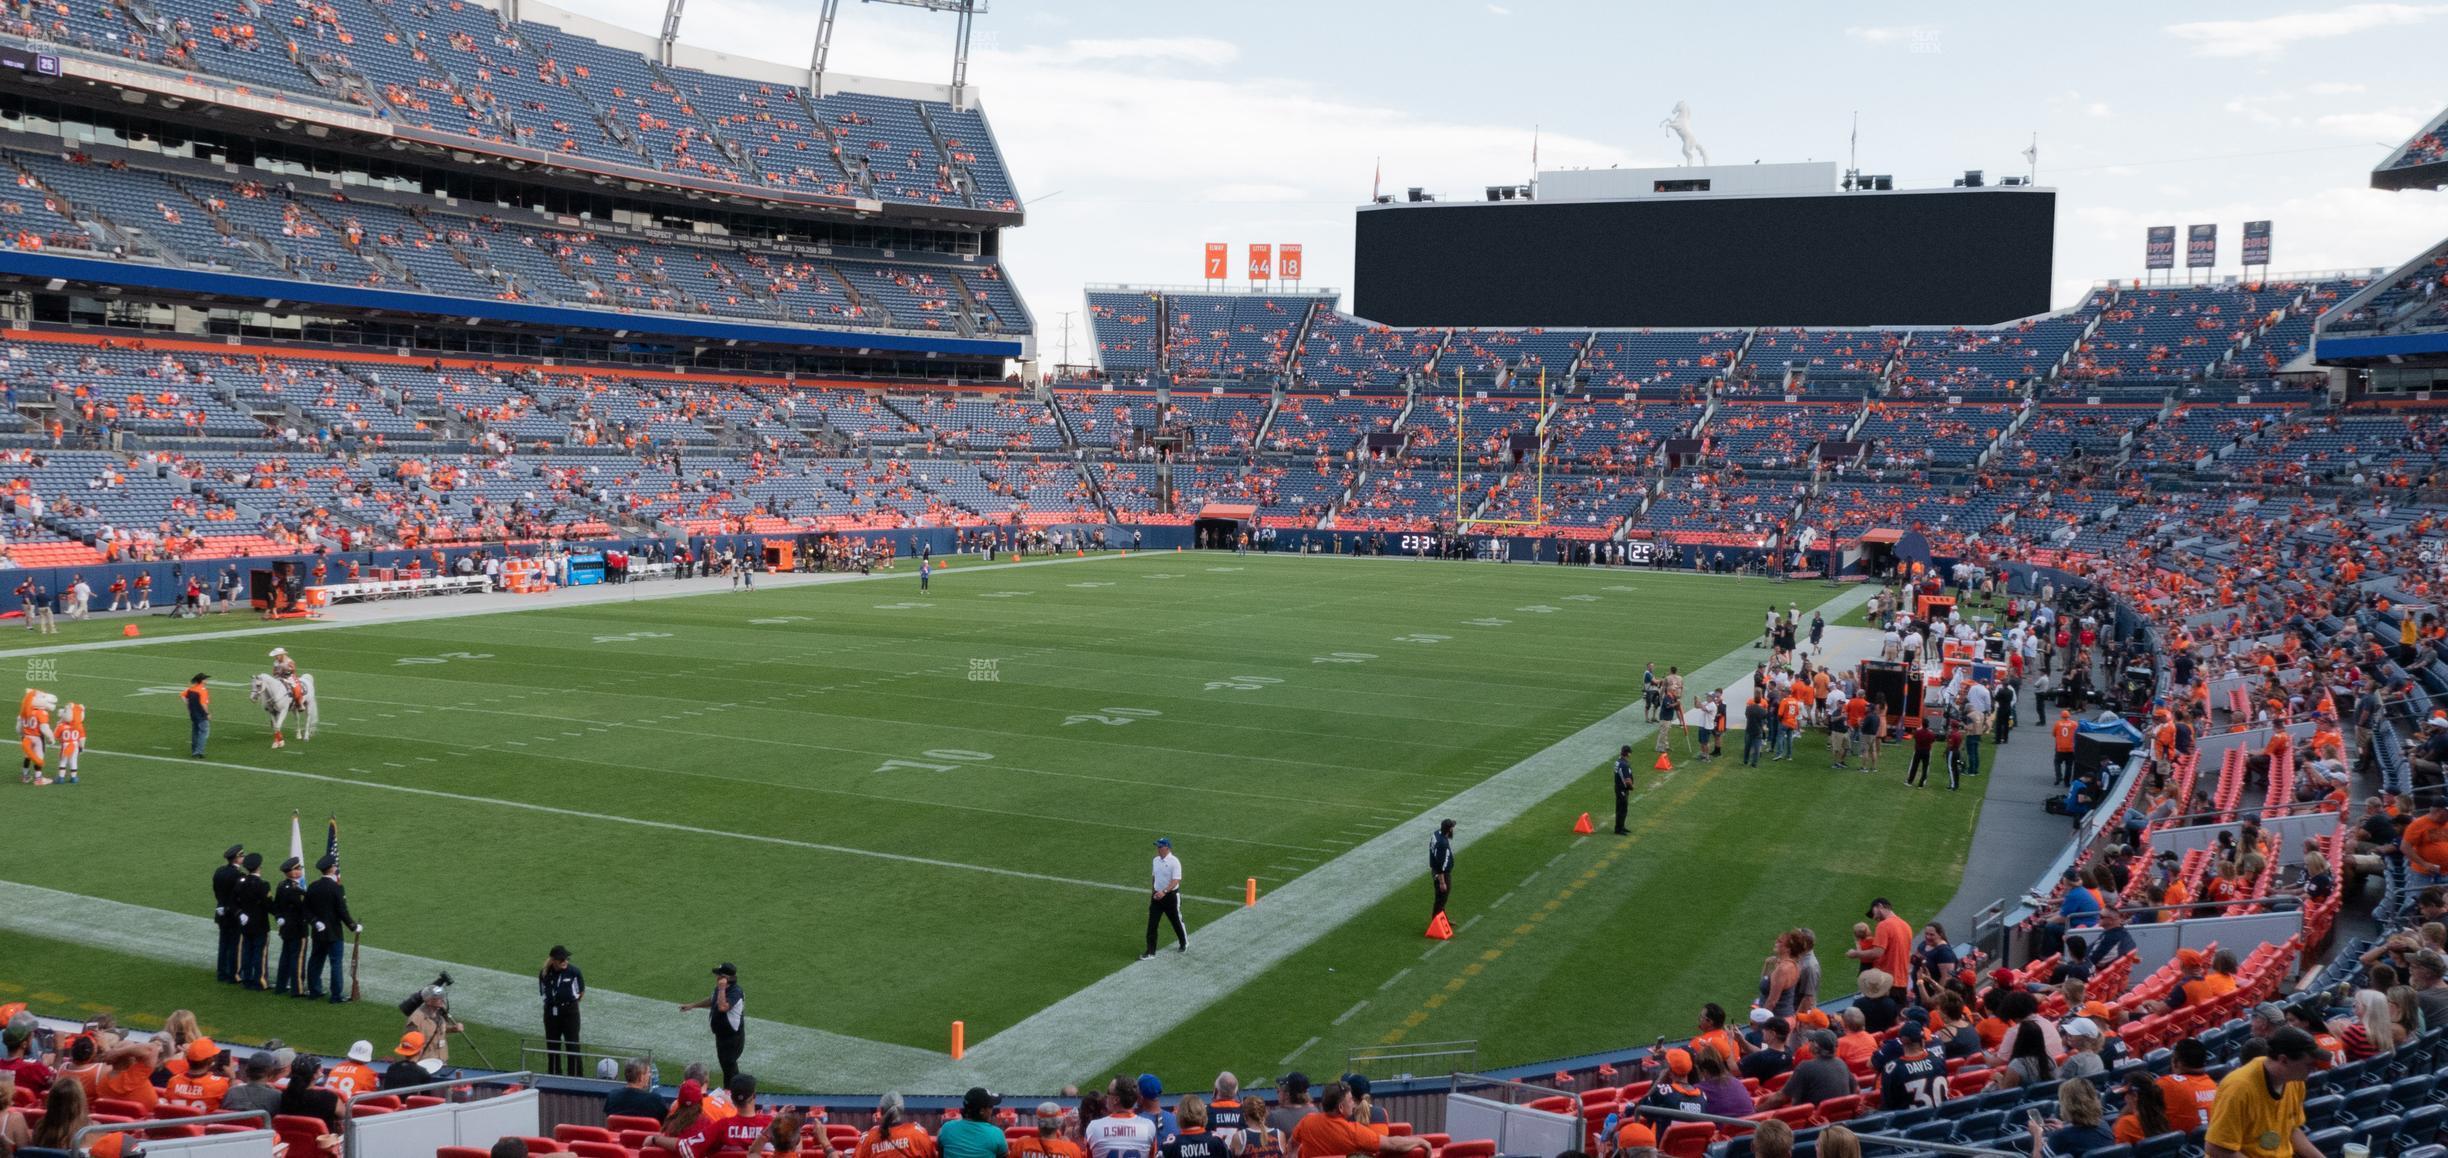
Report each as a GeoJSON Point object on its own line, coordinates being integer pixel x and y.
{"type": "Point", "coordinates": [1348, 1014]}
{"type": "Point", "coordinates": [668, 826]}
{"type": "Point", "coordinates": [1304, 1048]}
{"type": "Point", "coordinates": [1103, 1023]}
{"type": "Point", "coordinates": [1551, 861]}
{"type": "Point", "coordinates": [1464, 927]}
{"type": "Point", "coordinates": [1501, 900]}
{"type": "Point", "coordinates": [801, 1056]}
{"type": "Point", "coordinates": [393, 764]}
{"type": "Point", "coordinates": [1389, 982]}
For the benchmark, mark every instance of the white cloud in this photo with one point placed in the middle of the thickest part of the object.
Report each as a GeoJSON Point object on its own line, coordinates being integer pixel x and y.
{"type": "Point", "coordinates": [2390, 125]}
{"type": "Point", "coordinates": [2334, 88]}
{"type": "Point", "coordinates": [1499, 10]}
{"type": "Point", "coordinates": [1199, 50]}
{"type": "Point", "coordinates": [2271, 36]}
{"type": "Point", "coordinates": [2099, 109]}
{"type": "Point", "coordinates": [1882, 34]}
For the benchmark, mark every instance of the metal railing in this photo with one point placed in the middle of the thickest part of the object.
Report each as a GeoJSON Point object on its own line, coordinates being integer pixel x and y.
{"type": "Point", "coordinates": [261, 1118]}
{"type": "Point", "coordinates": [1896, 1140]}
{"type": "Point", "coordinates": [442, 1087]}
{"type": "Point", "coordinates": [1463, 1054]}
{"type": "Point", "coordinates": [537, 1054]}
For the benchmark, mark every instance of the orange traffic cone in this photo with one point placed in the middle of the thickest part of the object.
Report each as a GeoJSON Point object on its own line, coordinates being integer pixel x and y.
{"type": "Point", "coordinates": [1582, 825]}
{"type": "Point", "coordinates": [1440, 929]}
{"type": "Point", "coordinates": [129, 631]}
{"type": "Point", "coordinates": [1663, 764]}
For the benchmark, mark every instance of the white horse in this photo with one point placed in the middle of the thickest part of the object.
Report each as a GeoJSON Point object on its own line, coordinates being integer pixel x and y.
{"type": "Point", "coordinates": [1679, 122]}
{"type": "Point", "coordinates": [273, 693]}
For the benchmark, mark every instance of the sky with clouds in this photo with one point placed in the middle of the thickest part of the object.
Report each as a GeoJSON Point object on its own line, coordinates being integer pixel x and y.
{"type": "Point", "coordinates": [1138, 131]}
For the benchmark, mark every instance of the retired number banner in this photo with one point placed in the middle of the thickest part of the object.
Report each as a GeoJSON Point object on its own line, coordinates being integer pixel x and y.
{"type": "Point", "coordinates": [1290, 261]}
{"type": "Point", "coordinates": [1261, 262]}
{"type": "Point", "coordinates": [1217, 252]}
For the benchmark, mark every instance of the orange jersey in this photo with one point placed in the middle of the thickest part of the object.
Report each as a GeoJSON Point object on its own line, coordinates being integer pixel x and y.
{"type": "Point", "coordinates": [349, 1079]}
{"type": "Point", "coordinates": [2188, 1098]}
{"type": "Point", "coordinates": [199, 1092]}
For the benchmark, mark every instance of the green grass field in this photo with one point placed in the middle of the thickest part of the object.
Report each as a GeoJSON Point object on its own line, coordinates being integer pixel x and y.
{"type": "Point", "coordinates": [894, 810]}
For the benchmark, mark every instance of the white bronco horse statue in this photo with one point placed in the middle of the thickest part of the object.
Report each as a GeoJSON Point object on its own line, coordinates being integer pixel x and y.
{"type": "Point", "coordinates": [279, 700]}
{"type": "Point", "coordinates": [1679, 123]}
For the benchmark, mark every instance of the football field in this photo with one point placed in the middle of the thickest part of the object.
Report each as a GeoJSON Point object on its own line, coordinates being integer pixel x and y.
{"type": "Point", "coordinates": [896, 809]}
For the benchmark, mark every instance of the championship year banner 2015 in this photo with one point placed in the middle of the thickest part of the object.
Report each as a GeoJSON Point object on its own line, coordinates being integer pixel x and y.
{"type": "Point", "coordinates": [2159, 252]}
{"type": "Point", "coordinates": [2256, 243]}
{"type": "Point", "coordinates": [1288, 260]}
{"type": "Point", "coordinates": [2201, 246]}
{"type": "Point", "coordinates": [1261, 262]}
{"type": "Point", "coordinates": [1218, 255]}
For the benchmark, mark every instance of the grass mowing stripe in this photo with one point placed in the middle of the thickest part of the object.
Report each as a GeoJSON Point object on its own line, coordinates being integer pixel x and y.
{"type": "Point", "coordinates": [665, 825]}
{"type": "Point", "coordinates": [1421, 720]}
{"type": "Point", "coordinates": [790, 1053]}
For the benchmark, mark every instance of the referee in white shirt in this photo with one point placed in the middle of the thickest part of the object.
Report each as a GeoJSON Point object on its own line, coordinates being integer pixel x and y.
{"type": "Point", "coordinates": [1164, 897]}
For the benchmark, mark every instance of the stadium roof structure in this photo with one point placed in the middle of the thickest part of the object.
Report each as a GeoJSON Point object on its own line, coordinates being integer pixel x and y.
{"type": "Point", "coordinates": [2420, 163]}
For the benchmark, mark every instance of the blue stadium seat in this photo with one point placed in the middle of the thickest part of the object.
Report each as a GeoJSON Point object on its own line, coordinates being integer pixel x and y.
{"type": "Point", "coordinates": [2422, 1126]}
{"type": "Point", "coordinates": [2364, 1102]}
{"type": "Point", "coordinates": [1979, 1126]}
{"type": "Point", "coordinates": [2409, 1093]}
{"type": "Point", "coordinates": [2332, 1140]}
{"type": "Point", "coordinates": [2380, 1132]}
{"type": "Point", "coordinates": [2323, 1110]}
{"type": "Point", "coordinates": [2167, 1145]}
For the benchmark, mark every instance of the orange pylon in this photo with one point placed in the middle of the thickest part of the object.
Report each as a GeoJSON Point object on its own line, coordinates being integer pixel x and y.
{"type": "Point", "coordinates": [1663, 764]}
{"type": "Point", "coordinates": [1582, 826]}
{"type": "Point", "coordinates": [1440, 929]}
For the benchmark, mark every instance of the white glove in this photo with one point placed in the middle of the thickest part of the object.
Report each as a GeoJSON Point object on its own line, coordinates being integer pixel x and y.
{"type": "Point", "coordinates": [242, 920]}
{"type": "Point", "coordinates": [216, 910]}
{"type": "Point", "coordinates": [318, 926]}
{"type": "Point", "coordinates": [361, 928]}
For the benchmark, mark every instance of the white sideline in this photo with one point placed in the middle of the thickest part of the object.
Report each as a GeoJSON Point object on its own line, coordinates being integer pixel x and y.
{"type": "Point", "coordinates": [791, 1054]}
{"type": "Point", "coordinates": [502, 603]}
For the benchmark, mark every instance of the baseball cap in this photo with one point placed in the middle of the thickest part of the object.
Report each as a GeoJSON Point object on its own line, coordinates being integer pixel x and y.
{"type": "Point", "coordinates": [2080, 1027]}
{"type": "Point", "coordinates": [691, 1092]}
{"type": "Point", "coordinates": [559, 953]}
{"type": "Point", "coordinates": [1164, 842]}
{"type": "Point", "coordinates": [726, 969]}
{"type": "Point", "coordinates": [1760, 1015]}
{"type": "Point", "coordinates": [2271, 1012]}
{"type": "Point", "coordinates": [1049, 1109]}
{"type": "Point", "coordinates": [2190, 957]}
{"type": "Point", "coordinates": [1296, 1081]}
{"type": "Point", "coordinates": [411, 1044]}
{"type": "Point", "coordinates": [363, 1051]}
{"type": "Point", "coordinates": [979, 1098]}
{"type": "Point", "coordinates": [1150, 1086]}
{"type": "Point", "coordinates": [1917, 1014]}
{"type": "Point", "coordinates": [202, 1050]}
{"type": "Point", "coordinates": [2294, 1044]}
{"type": "Point", "coordinates": [1678, 1062]}
{"type": "Point", "coordinates": [1911, 1031]}
{"type": "Point", "coordinates": [1358, 1084]}
{"type": "Point", "coordinates": [741, 1087]}
{"type": "Point", "coordinates": [233, 851]}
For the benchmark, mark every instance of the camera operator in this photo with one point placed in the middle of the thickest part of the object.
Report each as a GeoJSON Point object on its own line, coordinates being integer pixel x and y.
{"type": "Point", "coordinates": [430, 1015]}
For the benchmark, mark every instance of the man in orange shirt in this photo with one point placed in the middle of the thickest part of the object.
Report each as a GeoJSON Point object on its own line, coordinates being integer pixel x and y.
{"type": "Point", "coordinates": [1712, 1033]}
{"type": "Point", "coordinates": [1049, 1140]}
{"type": "Point", "coordinates": [199, 1080]}
{"type": "Point", "coordinates": [128, 1076]}
{"type": "Point", "coordinates": [2063, 732]}
{"type": "Point", "coordinates": [355, 1075]}
{"type": "Point", "coordinates": [2189, 1091]}
{"type": "Point", "coordinates": [2218, 982]}
{"type": "Point", "coordinates": [2425, 844]}
{"type": "Point", "coordinates": [1893, 939]}
{"type": "Point", "coordinates": [1855, 711]}
{"type": "Point", "coordinates": [1331, 1132]}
